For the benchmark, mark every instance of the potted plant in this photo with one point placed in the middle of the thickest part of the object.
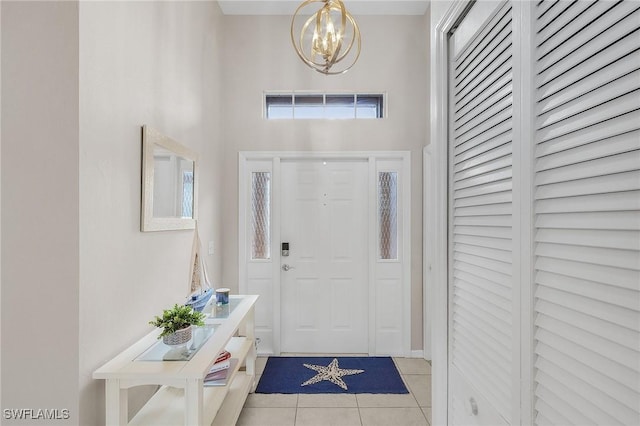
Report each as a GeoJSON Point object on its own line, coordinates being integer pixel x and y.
{"type": "Point", "coordinates": [176, 324]}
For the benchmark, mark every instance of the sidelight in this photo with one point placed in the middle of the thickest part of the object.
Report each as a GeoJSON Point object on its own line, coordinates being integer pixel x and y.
{"type": "Point", "coordinates": [388, 215]}
{"type": "Point", "coordinates": [260, 215]}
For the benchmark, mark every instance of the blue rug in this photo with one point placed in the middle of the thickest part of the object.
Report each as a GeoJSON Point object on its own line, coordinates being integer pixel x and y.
{"type": "Point", "coordinates": [330, 375]}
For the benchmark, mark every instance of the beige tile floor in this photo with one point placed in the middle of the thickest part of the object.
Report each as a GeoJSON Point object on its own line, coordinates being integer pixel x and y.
{"type": "Point", "coordinates": [346, 409]}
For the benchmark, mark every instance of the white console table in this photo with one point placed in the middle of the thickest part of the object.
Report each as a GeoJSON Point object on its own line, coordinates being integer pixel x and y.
{"type": "Point", "coordinates": [183, 397]}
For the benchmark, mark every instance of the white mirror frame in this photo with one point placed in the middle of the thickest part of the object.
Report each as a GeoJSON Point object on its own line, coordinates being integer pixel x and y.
{"type": "Point", "coordinates": [150, 139]}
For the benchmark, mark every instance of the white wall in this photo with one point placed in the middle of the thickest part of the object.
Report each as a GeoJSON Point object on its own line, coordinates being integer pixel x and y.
{"type": "Point", "coordinates": [154, 63]}
{"type": "Point", "coordinates": [259, 56]}
{"type": "Point", "coordinates": [40, 201]}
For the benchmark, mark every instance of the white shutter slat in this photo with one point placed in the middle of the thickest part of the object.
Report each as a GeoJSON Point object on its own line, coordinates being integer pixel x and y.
{"type": "Point", "coordinates": [471, 155]}
{"type": "Point", "coordinates": [494, 138]}
{"type": "Point", "coordinates": [481, 341]}
{"type": "Point", "coordinates": [619, 220]}
{"type": "Point", "coordinates": [500, 174]}
{"type": "Point", "coordinates": [497, 209]}
{"type": "Point", "coordinates": [571, 56]}
{"type": "Point", "coordinates": [487, 129]}
{"type": "Point", "coordinates": [490, 312]}
{"type": "Point", "coordinates": [609, 128]}
{"type": "Point", "coordinates": [489, 253]}
{"type": "Point", "coordinates": [597, 255]}
{"type": "Point", "coordinates": [484, 168]}
{"type": "Point", "coordinates": [477, 54]}
{"type": "Point", "coordinates": [496, 76]}
{"type": "Point", "coordinates": [496, 55]}
{"type": "Point", "coordinates": [622, 240]}
{"type": "Point", "coordinates": [482, 318]}
{"type": "Point", "coordinates": [485, 199]}
{"type": "Point", "coordinates": [577, 35]}
{"type": "Point", "coordinates": [602, 166]}
{"type": "Point", "coordinates": [476, 372]}
{"type": "Point", "coordinates": [604, 347]}
{"type": "Point", "coordinates": [501, 232]}
{"type": "Point", "coordinates": [620, 182]}
{"type": "Point", "coordinates": [556, 79]}
{"type": "Point", "coordinates": [494, 243]}
{"type": "Point", "coordinates": [607, 92]}
{"type": "Point", "coordinates": [487, 188]}
{"type": "Point", "coordinates": [622, 105]}
{"type": "Point", "coordinates": [483, 262]}
{"type": "Point", "coordinates": [625, 278]}
{"type": "Point", "coordinates": [484, 115]}
{"type": "Point", "coordinates": [483, 100]}
{"type": "Point", "coordinates": [545, 8]}
{"type": "Point", "coordinates": [578, 316]}
{"type": "Point", "coordinates": [482, 221]}
{"type": "Point", "coordinates": [553, 397]}
{"type": "Point", "coordinates": [593, 376]}
{"type": "Point", "coordinates": [550, 24]}
{"type": "Point", "coordinates": [616, 145]}
{"type": "Point", "coordinates": [485, 284]}
{"type": "Point", "coordinates": [489, 298]}
{"type": "Point", "coordinates": [482, 37]}
{"type": "Point", "coordinates": [555, 381]}
{"type": "Point", "coordinates": [551, 417]}
{"type": "Point", "coordinates": [496, 278]}
{"type": "Point", "coordinates": [580, 88]}
{"type": "Point", "coordinates": [626, 298]}
{"type": "Point", "coordinates": [627, 378]}
{"type": "Point", "coordinates": [612, 201]}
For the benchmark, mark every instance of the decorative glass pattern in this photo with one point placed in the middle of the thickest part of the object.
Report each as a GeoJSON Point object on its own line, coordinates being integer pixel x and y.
{"type": "Point", "coordinates": [260, 215]}
{"type": "Point", "coordinates": [187, 194]}
{"type": "Point", "coordinates": [388, 215]}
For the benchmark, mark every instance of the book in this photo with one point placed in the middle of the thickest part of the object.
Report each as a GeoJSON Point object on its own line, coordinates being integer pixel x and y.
{"type": "Point", "coordinates": [221, 377]}
{"type": "Point", "coordinates": [224, 355]}
{"type": "Point", "coordinates": [219, 366]}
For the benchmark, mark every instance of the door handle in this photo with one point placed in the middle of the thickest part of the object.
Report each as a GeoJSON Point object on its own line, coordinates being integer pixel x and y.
{"type": "Point", "coordinates": [286, 267]}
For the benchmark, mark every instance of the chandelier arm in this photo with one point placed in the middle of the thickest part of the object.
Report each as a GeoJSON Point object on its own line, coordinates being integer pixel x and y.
{"type": "Point", "coordinates": [328, 38]}
{"type": "Point", "coordinates": [356, 34]}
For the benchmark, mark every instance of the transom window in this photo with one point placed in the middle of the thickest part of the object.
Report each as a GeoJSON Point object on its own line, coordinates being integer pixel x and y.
{"type": "Point", "coordinates": [323, 106]}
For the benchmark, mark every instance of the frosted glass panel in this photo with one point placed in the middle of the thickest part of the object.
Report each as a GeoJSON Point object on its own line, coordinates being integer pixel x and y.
{"type": "Point", "coordinates": [388, 215]}
{"type": "Point", "coordinates": [261, 215]}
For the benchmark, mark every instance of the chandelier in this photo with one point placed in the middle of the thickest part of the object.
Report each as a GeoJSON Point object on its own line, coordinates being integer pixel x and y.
{"type": "Point", "coordinates": [328, 36]}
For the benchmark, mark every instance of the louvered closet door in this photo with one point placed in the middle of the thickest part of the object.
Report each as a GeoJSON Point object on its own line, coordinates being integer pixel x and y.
{"type": "Point", "coordinates": [480, 241]}
{"type": "Point", "coordinates": [587, 213]}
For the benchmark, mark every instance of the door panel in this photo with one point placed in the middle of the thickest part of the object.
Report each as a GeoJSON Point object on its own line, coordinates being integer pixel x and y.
{"type": "Point", "coordinates": [481, 233]}
{"type": "Point", "coordinates": [324, 294]}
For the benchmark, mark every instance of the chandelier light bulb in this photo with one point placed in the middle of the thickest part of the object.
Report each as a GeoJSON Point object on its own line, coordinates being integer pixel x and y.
{"type": "Point", "coordinates": [327, 36]}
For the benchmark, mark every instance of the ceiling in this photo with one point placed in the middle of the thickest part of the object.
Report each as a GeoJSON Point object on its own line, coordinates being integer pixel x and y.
{"type": "Point", "coordinates": [355, 7]}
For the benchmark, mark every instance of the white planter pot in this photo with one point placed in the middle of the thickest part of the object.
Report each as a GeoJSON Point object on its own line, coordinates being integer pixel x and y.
{"type": "Point", "coordinates": [179, 337]}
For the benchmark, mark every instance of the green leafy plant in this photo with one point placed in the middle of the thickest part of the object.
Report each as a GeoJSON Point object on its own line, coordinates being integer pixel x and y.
{"type": "Point", "coordinates": [177, 318]}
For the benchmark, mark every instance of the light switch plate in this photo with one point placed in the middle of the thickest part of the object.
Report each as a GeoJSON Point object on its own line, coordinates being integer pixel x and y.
{"type": "Point", "coordinates": [211, 248]}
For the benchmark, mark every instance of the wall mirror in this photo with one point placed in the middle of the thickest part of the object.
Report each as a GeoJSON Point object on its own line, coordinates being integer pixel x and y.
{"type": "Point", "coordinates": [169, 183]}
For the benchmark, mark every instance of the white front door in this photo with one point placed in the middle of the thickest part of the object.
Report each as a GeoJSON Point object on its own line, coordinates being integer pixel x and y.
{"type": "Point", "coordinates": [324, 292]}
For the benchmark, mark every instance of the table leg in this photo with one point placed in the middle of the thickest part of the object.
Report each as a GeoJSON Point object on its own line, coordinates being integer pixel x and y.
{"type": "Point", "coordinates": [116, 401]}
{"type": "Point", "coordinates": [193, 393]}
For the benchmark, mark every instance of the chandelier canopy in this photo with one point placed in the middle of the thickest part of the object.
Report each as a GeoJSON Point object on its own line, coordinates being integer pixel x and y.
{"type": "Point", "coordinates": [326, 37]}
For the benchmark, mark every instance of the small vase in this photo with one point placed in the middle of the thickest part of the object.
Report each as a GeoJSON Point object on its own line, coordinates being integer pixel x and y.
{"type": "Point", "coordinates": [177, 338]}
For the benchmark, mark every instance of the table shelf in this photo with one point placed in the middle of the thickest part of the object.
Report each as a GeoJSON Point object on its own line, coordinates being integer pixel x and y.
{"type": "Point", "coordinates": [182, 397]}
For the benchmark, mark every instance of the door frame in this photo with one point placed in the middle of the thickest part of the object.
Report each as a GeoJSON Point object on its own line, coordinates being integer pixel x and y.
{"type": "Point", "coordinates": [373, 158]}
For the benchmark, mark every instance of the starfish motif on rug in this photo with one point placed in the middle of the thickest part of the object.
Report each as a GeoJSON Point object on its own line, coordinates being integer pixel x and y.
{"type": "Point", "coordinates": [332, 373]}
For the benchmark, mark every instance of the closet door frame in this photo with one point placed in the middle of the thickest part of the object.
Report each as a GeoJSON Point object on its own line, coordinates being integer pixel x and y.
{"type": "Point", "coordinates": [523, 91]}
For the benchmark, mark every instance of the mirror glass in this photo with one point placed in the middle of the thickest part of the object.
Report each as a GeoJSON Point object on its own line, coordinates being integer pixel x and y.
{"type": "Point", "coordinates": [169, 193]}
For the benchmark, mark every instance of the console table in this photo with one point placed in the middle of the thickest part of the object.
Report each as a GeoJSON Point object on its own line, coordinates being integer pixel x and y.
{"type": "Point", "coordinates": [183, 397]}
